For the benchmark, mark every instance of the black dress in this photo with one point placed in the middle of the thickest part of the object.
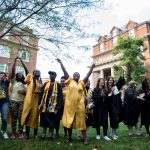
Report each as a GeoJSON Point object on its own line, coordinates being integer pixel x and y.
{"type": "Point", "coordinates": [115, 105]}
{"type": "Point", "coordinates": [52, 120]}
{"type": "Point", "coordinates": [100, 111]}
{"type": "Point", "coordinates": [131, 107]}
{"type": "Point", "coordinates": [145, 108]}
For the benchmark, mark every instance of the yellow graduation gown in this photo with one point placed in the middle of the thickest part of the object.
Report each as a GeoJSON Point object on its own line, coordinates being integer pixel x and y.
{"type": "Point", "coordinates": [30, 106]}
{"type": "Point", "coordinates": [64, 90]}
{"type": "Point", "coordinates": [74, 109]}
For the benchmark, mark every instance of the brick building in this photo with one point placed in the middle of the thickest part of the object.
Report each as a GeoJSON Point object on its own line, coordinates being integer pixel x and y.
{"type": "Point", "coordinates": [18, 42]}
{"type": "Point", "coordinates": [102, 51]}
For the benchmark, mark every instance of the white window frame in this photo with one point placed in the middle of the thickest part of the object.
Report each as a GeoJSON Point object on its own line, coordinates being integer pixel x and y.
{"type": "Point", "coordinates": [17, 29]}
{"type": "Point", "coordinates": [3, 67]}
{"type": "Point", "coordinates": [25, 40]}
{"type": "Point", "coordinates": [101, 47]}
{"type": "Point", "coordinates": [6, 36]}
{"type": "Point", "coordinates": [97, 75]}
{"type": "Point", "coordinates": [131, 33]}
{"type": "Point", "coordinates": [115, 40]}
{"type": "Point", "coordinates": [114, 32]}
{"type": "Point", "coordinates": [27, 59]}
{"type": "Point", "coordinates": [5, 51]}
{"type": "Point", "coordinates": [20, 69]}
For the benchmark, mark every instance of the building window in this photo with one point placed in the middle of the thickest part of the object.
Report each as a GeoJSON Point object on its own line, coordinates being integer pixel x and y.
{"type": "Point", "coordinates": [6, 35]}
{"type": "Point", "coordinates": [20, 69]}
{"type": "Point", "coordinates": [114, 41]}
{"type": "Point", "coordinates": [25, 55]}
{"type": "Point", "coordinates": [5, 51]}
{"type": "Point", "coordinates": [97, 75]}
{"type": "Point", "coordinates": [107, 73]}
{"type": "Point", "coordinates": [25, 40]}
{"type": "Point", "coordinates": [131, 33]}
{"type": "Point", "coordinates": [3, 67]}
{"type": "Point", "coordinates": [101, 47]}
{"type": "Point", "coordinates": [114, 33]}
{"type": "Point", "coordinates": [17, 29]}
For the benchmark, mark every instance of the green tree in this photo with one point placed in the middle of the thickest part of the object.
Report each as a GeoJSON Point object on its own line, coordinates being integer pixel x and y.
{"type": "Point", "coordinates": [56, 21]}
{"type": "Point", "coordinates": [131, 54]}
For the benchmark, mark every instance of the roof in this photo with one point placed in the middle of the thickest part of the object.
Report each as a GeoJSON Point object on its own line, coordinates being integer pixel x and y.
{"type": "Point", "coordinates": [123, 29]}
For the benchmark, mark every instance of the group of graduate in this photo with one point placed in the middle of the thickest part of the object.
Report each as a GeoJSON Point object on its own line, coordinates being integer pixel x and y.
{"type": "Point", "coordinates": [32, 102]}
{"type": "Point", "coordinates": [117, 103]}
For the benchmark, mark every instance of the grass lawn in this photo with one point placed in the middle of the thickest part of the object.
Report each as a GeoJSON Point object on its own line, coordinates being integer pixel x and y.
{"type": "Point", "coordinates": [123, 143]}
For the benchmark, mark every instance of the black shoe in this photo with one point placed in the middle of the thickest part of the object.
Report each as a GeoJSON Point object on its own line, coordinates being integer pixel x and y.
{"type": "Point", "coordinates": [51, 137]}
{"type": "Point", "coordinates": [56, 136]}
{"type": "Point", "coordinates": [27, 137]}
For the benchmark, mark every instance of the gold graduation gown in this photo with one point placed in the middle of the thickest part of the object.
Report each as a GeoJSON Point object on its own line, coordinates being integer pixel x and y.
{"type": "Point", "coordinates": [74, 109]}
{"type": "Point", "coordinates": [64, 90]}
{"type": "Point", "coordinates": [30, 114]}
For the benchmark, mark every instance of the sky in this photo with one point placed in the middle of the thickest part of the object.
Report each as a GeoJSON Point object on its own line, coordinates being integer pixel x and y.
{"type": "Point", "coordinates": [114, 13]}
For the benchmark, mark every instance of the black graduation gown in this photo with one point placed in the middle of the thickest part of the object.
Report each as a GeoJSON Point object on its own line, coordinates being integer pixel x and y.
{"type": "Point", "coordinates": [115, 105]}
{"type": "Point", "coordinates": [51, 120]}
{"type": "Point", "coordinates": [100, 111]}
{"type": "Point", "coordinates": [145, 108]}
{"type": "Point", "coordinates": [131, 107]}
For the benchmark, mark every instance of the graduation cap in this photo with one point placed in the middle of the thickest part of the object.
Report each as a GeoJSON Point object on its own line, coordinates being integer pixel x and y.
{"type": "Point", "coordinates": [52, 73]}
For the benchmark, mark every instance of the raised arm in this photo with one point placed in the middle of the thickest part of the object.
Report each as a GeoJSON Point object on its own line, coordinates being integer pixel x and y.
{"type": "Point", "coordinates": [121, 81]}
{"type": "Point", "coordinates": [13, 72]}
{"type": "Point", "coordinates": [24, 66]}
{"type": "Point", "coordinates": [63, 69]}
{"type": "Point", "coordinates": [9, 71]}
{"type": "Point", "coordinates": [89, 73]}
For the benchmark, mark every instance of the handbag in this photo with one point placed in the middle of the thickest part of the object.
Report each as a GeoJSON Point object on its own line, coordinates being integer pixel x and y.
{"type": "Point", "coordinates": [2, 94]}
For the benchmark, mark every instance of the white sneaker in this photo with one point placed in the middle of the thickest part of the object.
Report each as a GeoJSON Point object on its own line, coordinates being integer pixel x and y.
{"type": "Point", "coordinates": [129, 133]}
{"type": "Point", "coordinates": [138, 133]}
{"type": "Point", "coordinates": [43, 136]}
{"type": "Point", "coordinates": [106, 138]}
{"type": "Point", "coordinates": [5, 135]}
{"type": "Point", "coordinates": [98, 137]}
{"type": "Point", "coordinates": [114, 137]}
{"type": "Point", "coordinates": [24, 130]}
{"type": "Point", "coordinates": [147, 135]}
{"type": "Point", "coordinates": [1, 132]}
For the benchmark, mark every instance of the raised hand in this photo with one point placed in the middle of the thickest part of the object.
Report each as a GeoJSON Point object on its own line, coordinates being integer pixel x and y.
{"type": "Point", "coordinates": [63, 68]}
{"type": "Point", "coordinates": [93, 65]}
{"type": "Point", "coordinates": [17, 57]}
{"type": "Point", "coordinates": [141, 96]}
{"type": "Point", "coordinates": [58, 60]}
{"type": "Point", "coordinates": [89, 73]}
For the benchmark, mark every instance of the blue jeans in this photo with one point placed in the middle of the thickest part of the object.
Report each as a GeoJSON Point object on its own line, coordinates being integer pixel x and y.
{"type": "Point", "coordinates": [4, 106]}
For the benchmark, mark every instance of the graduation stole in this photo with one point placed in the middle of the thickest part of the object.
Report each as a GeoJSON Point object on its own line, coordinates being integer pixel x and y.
{"type": "Point", "coordinates": [52, 99]}
{"type": "Point", "coordinates": [88, 93]}
{"type": "Point", "coordinates": [89, 105]}
{"type": "Point", "coordinates": [2, 92]}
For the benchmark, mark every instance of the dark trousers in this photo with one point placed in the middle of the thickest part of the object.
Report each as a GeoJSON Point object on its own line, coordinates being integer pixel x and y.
{"type": "Point", "coordinates": [4, 107]}
{"type": "Point", "coordinates": [101, 119]}
{"type": "Point", "coordinates": [16, 112]}
{"type": "Point", "coordinates": [104, 130]}
{"type": "Point", "coordinates": [28, 132]}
